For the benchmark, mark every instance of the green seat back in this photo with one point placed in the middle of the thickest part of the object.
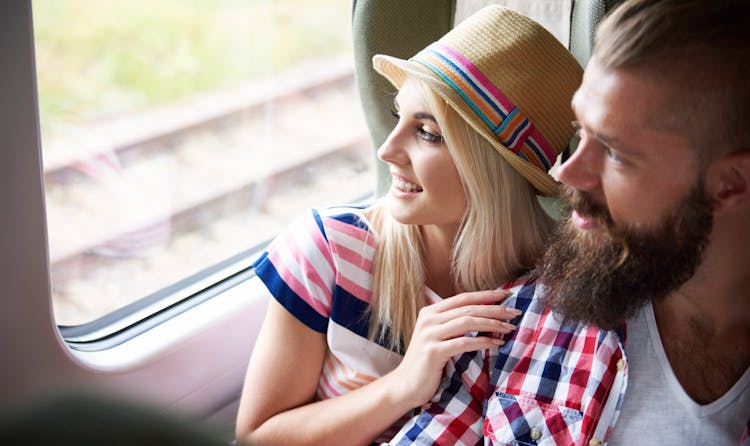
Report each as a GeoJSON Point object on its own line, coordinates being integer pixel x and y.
{"type": "Point", "coordinates": [398, 28]}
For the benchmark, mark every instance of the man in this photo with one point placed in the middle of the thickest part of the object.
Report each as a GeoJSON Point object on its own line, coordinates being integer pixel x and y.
{"type": "Point", "coordinates": [657, 246]}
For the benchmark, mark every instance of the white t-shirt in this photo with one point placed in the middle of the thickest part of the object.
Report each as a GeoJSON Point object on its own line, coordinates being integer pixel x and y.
{"type": "Point", "coordinates": [656, 409]}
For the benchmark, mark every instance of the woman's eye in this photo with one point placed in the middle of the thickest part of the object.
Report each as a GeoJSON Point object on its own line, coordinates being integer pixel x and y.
{"type": "Point", "coordinates": [428, 136]}
{"type": "Point", "coordinates": [395, 114]}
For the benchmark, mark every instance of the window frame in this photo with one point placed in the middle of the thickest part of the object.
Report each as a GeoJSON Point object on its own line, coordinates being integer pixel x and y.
{"type": "Point", "coordinates": [190, 355]}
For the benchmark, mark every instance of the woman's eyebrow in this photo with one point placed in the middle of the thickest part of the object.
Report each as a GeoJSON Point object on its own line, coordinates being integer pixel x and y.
{"type": "Point", "coordinates": [422, 115]}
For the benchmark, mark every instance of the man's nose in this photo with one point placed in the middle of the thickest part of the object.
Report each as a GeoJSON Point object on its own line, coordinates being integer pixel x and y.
{"type": "Point", "coordinates": [582, 170]}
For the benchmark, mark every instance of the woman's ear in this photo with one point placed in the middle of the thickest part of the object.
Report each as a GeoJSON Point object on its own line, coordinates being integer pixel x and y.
{"type": "Point", "coordinates": [728, 181]}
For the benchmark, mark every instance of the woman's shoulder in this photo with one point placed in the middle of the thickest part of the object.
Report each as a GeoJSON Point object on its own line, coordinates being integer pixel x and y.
{"type": "Point", "coordinates": [343, 211]}
{"type": "Point", "coordinates": [348, 218]}
{"type": "Point", "coordinates": [314, 229]}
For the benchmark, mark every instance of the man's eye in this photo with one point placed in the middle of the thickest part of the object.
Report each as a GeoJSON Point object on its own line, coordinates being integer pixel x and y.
{"type": "Point", "coordinates": [613, 155]}
{"type": "Point", "coordinates": [577, 128]}
{"type": "Point", "coordinates": [429, 137]}
{"type": "Point", "coordinates": [579, 133]}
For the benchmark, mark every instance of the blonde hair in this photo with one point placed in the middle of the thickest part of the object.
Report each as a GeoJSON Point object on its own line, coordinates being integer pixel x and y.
{"type": "Point", "coordinates": [501, 234]}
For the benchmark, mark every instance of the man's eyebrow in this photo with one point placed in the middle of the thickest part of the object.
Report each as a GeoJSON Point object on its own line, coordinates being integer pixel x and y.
{"type": "Point", "coordinates": [605, 139]}
{"type": "Point", "coordinates": [422, 115]}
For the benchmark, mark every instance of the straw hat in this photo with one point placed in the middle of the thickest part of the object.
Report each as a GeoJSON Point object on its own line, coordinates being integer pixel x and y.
{"type": "Point", "coordinates": [509, 78]}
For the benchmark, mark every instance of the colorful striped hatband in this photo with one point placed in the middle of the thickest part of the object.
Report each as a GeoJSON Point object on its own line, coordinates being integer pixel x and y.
{"type": "Point", "coordinates": [506, 121]}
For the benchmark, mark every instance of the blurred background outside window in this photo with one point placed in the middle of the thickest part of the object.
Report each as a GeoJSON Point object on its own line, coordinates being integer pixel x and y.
{"type": "Point", "coordinates": [179, 133]}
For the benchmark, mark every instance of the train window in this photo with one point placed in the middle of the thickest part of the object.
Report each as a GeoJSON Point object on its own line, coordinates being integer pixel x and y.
{"type": "Point", "coordinates": [180, 133]}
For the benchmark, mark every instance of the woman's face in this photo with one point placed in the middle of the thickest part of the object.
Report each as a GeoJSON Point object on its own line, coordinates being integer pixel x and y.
{"type": "Point", "coordinates": [426, 187]}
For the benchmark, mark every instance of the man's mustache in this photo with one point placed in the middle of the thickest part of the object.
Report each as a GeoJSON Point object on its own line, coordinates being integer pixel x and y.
{"type": "Point", "coordinates": [585, 206]}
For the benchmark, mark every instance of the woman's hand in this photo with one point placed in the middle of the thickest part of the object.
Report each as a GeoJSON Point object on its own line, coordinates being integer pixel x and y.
{"type": "Point", "coordinates": [439, 334]}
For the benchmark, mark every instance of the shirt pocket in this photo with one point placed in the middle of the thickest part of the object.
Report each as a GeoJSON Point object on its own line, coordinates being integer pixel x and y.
{"type": "Point", "coordinates": [520, 421]}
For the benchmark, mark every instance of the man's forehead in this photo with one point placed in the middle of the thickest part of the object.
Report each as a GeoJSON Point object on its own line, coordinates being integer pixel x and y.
{"type": "Point", "coordinates": [633, 97]}
{"type": "Point", "coordinates": [628, 111]}
{"type": "Point", "coordinates": [598, 101]}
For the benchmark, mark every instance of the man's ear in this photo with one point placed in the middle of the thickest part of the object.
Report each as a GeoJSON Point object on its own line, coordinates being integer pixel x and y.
{"type": "Point", "coordinates": [728, 181]}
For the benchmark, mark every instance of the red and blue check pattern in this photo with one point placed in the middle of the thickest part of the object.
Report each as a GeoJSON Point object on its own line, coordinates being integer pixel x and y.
{"type": "Point", "coordinates": [554, 382]}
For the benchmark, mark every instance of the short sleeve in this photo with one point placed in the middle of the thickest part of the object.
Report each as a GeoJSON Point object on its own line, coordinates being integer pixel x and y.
{"type": "Point", "coordinates": [298, 270]}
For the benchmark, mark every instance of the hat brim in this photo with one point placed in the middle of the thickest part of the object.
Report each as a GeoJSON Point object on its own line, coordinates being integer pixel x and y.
{"type": "Point", "coordinates": [396, 71]}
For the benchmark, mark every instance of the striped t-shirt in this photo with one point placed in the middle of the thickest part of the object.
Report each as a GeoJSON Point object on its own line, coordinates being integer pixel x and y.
{"type": "Point", "coordinates": [320, 269]}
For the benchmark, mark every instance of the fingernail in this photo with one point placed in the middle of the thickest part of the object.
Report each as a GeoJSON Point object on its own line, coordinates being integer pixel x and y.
{"type": "Point", "coordinates": [514, 311]}
{"type": "Point", "coordinates": [509, 326]}
{"type": "Point", "coordinates": [498, 341]}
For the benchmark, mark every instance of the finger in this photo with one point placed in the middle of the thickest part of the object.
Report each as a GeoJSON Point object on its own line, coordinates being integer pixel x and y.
{"type": "Point", "coordinates": [472, 298]}
{"type": "Point", "coordinates": [466, 324]}
{"type": "Point", "coordinates": [485, 311]}
{"type": "Point", "coordinates": [464, 344]}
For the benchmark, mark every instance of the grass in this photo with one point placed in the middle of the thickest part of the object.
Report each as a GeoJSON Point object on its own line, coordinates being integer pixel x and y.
{"type": "Point", "coordinates": [97, 59]}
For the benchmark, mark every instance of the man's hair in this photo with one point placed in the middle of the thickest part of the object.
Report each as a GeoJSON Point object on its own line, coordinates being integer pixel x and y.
{"type": "Point", "coordinates": [704, 49]}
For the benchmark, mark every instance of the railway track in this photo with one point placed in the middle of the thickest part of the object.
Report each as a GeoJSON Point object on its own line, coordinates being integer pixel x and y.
{"type": "Point", "coordinates": [136, 205]}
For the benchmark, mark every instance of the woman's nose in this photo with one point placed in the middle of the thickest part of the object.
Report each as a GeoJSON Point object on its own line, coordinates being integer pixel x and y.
{"type": "Point", "coordinates": [393, 151]}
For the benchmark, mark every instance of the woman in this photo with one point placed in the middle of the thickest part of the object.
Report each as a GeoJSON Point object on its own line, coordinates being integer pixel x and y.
{"type": "Point", "coordinates": [363, 321]}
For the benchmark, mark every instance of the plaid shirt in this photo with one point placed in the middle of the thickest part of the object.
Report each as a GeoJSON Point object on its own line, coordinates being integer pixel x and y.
{"type": "Point", "coordinates": [552, 383]}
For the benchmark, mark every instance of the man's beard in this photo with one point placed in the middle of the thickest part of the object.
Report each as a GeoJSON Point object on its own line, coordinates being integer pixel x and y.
{"type": "Point", "coordinates": [606, 277]}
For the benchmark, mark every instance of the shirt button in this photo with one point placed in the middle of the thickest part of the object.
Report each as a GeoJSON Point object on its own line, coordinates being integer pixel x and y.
{"type": "Point", "coordinates": [620, 364]}
{"type": "Point", "coordinates": [535, 433]}
{"type": "Point", "coordinates": [595, 441]}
